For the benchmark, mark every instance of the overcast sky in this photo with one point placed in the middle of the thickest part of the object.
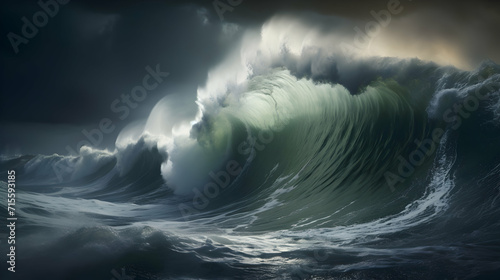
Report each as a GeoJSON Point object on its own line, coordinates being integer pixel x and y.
{"type": "Point", "coordinates": [89, 53]}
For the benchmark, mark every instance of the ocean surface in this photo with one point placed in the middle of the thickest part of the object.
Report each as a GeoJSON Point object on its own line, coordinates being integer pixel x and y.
{"type": "Point", "coordinates": [384, 169]}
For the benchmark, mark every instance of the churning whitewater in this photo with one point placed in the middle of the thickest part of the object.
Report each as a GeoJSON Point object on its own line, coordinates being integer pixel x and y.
{"type": "Point", "coordinates": [300, 163]}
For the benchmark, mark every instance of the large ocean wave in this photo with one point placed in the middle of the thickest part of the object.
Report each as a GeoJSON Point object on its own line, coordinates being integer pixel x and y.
{"type": "Point", "coordinates": [296, 165]}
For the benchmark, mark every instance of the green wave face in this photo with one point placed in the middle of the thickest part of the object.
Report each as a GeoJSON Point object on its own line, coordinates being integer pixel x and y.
{"type": "Point", "coordinates": [314, 148]}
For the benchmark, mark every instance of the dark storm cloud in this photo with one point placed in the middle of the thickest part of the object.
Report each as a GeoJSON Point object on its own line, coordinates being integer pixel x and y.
{"type": "Point", "coordinates": [85, 57]}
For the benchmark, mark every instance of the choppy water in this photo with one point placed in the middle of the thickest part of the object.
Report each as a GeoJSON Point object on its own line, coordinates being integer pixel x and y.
{"type": "Point", "coordinates": [281, 177]}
